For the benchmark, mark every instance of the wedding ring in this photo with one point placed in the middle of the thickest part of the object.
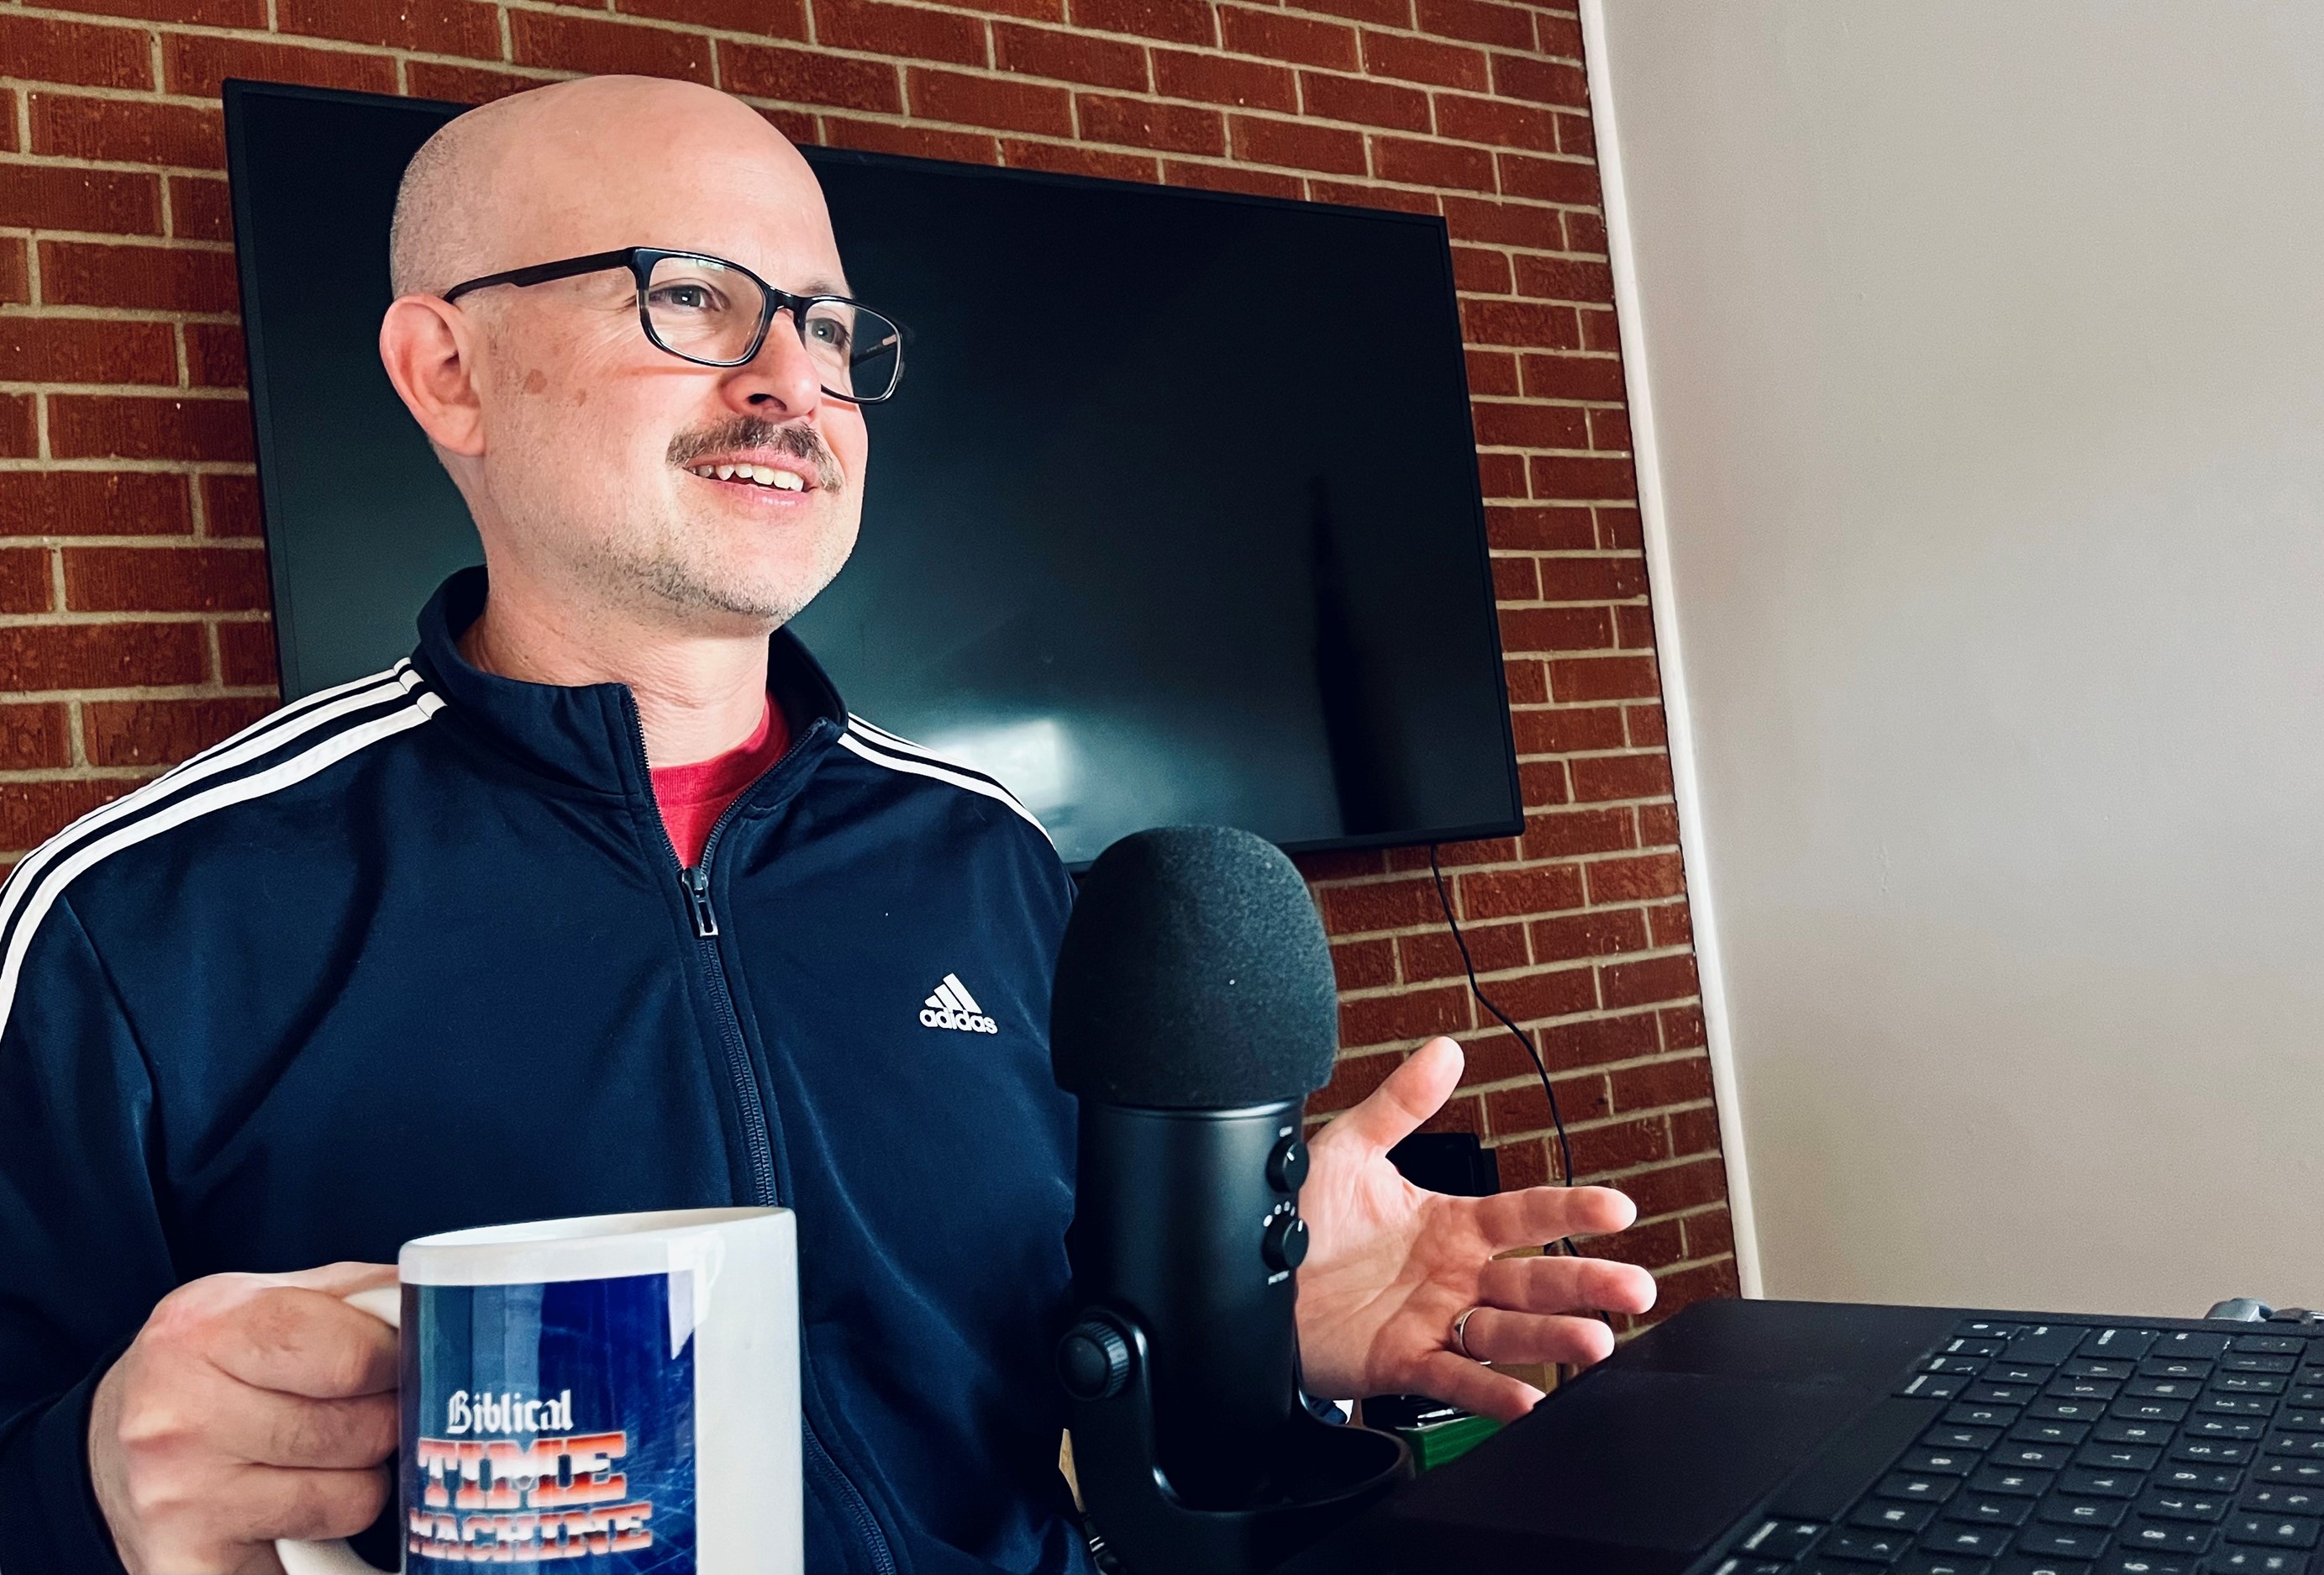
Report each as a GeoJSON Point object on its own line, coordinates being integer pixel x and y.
{"type": "Point", "coordinates": [1461, 1334]}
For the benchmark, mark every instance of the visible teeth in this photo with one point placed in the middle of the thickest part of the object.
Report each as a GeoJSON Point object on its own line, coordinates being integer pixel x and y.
{"type": "Point", "coordinates": [760, 474]}
{"type": "Point", "coordinates": [788, 481]}
{"type": "Point", "coordinates": [725, 471]}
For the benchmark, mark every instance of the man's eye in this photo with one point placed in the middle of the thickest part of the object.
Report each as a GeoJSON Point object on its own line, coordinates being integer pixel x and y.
{"type": "Point", "coordinates": [685, 297]}
{"type": "Point", "coordinates": [828, 331]}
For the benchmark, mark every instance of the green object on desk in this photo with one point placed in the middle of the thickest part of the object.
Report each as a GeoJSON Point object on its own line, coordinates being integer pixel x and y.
{"type": "Point", "coordinates": [1433, 1445]}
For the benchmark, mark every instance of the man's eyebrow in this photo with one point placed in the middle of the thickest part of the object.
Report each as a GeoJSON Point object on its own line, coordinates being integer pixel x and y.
{"type": "Point", "coordinates": [822, 287]}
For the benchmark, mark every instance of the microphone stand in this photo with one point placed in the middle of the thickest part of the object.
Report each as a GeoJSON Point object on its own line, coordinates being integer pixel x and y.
{"type": "Point", "coordinates": [1324, 1475]}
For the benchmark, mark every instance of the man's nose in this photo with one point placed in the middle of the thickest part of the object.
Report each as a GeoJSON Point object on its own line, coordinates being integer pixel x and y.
{"type": "Point", "coordinates": [782, 375]}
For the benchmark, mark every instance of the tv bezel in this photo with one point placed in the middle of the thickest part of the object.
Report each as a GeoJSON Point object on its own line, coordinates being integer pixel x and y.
{"type": "Point", "coordinates": [235, 91]}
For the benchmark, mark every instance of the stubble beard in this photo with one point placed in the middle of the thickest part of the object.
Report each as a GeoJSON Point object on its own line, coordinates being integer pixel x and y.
{"type": "Point", "coordinates": [693, 583]}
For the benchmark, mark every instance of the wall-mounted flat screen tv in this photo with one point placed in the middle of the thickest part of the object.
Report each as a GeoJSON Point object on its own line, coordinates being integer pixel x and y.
{"type": "Point", "coordinates": [1206, 548]}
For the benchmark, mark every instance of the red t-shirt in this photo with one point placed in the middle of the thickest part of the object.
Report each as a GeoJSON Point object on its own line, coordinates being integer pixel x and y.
{"type": "Point", "coordinates": [693, 797]}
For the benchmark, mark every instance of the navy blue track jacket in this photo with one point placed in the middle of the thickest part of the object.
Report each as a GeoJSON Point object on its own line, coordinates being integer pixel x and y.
{"type": "Point", "coordinates": [415, 954]}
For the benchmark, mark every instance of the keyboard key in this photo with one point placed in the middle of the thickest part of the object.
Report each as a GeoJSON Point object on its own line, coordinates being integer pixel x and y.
{"type": "Point", "coordinates": [1935, 1385]}
{"type": "Point", "coordinates": [1985, 1393]}
{"type": "Point", "coordinates": [2165, 1536]}
{"type": "Point", "coordinates": [2216, 1452]}
{"type": "Point", "coordinates": [2131, 1408]}
{"type": "Point", "coordinates": [2097, 1512]}
{"type": "Point", "coordinates": [2226, 1427]}
{"type": "Point", "coordinates": [2198, 1479]}
{"type": "Point", "coordinates": [1872, 1547]}
{"type": "Point", "coordinates": [1975, 1541]}
{"type": "Point", "coordinates": [2126, 1562]}
{"type": "Point", "coordinates": [2175, 1367]}
{"type": "Point", "coordinates": [2283, 1500]}
{"type": "Point", "coordinates": [2117, 1457]}
{"type": "Point", "coordinates": [2233, 1561]}
{"type": "Point", "coordinates": [2061, 1541]}
{"type": "Point", "coordinates": [2167, 1504]}
{"type": "Point", "coordinates": [1967, 1413]}
{"type": "Point", "coordinates": [1927, 1564]}
{"type": "Point", "coordinates": [1981, 1329]}
{"type": "Point", "coordinates": [2302, 1394]}
{"type": "Point", "coordinates": [1947, 1462]}
{"type": "Point", "coordinates": [2068, 1388]}
{"type": "Point", "coordinates": [2217, 1404]}
{"type": "Point", "coordinates": [1916, 1486]}
{"type": "Point", "coordinates": [2129, 1344]}
{"type": "Point", "coordinates": [1781, 1539]}
{"type": "Point", "coordinates": [2032, 1457]}
{"type": "Point", "coordinates": [2116, 1430]}
{"type": "Point", "coordinates": [2045, 1344]}
{"type": "Point", "coordinates": [2308, 1471]}
{"type": "Point", "coordinates": [2183, 1342]}
{"type": "Point", "coordinates": [1892, 1517]}
{"type": "Point", "coordinates": [2306, 1446]}
{"type": "Point", "coordinates": [2051, 1409]}
{"type": "Point", "coordinates": [1960, 1438]}
{"type": "Point", "coordinates": [2102, 1483]}
{"type": "Point", "coordinates": [1989, 1509]}
{"type": "Point", "coordinates": [2257, 1364]}
{"type": "Point", "coordinates": [2294, 1420]}
{"type": "Point", "coordinates": [2017, 1373]}
{"type": "Point", "coordinates": [2003, 1480]}
{"type": "Point", "coordinates": [2040, 1430]}
{"type": "Point", "coordinates": [2279, 1531]}
{"type": "Point", "coordinates": [2274, 1345]}
{"type": "Point", "coordinates": [2164, 1388]}
{"type": "Point", "coordinates": [2085, 1368]}
{"type": "Point", "coordinates": [2260, 1384]}
{"type": "Point", "coordinates": [1972, 1365]}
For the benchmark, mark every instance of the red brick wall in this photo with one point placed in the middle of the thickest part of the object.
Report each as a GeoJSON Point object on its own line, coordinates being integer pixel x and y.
{"type": "Point", "coordinates": [133, 591]}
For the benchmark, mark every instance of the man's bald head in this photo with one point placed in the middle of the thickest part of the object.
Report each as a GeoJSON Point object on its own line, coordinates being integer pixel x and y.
{"type": "Point", "coordinates": [493, 186]}
{"type": "Point", "coordinates": [614, 483]}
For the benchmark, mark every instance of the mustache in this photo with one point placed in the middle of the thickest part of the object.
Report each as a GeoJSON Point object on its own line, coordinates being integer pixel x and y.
{"type": "Point", "coordinates": [800, 442]}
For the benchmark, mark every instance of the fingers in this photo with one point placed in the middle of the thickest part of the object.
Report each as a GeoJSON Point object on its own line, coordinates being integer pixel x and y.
{"type": "Point", "coordinates": [1544, 1214]}
{"type": "Point", "coordinates": [1553, 1283]}
{"type": "Point", "coordinates": [271, 1502]}
{"type": "Point", "coordinates": [1409, 1096]}
{"type": "Point", "coordinates": [1455, 1379]}
{"type": "Point", "coordinates": [283, 1430]}
{"type": "Point", "coordinates": [1494, 1335]}
{"type": "Point", "coordinates": [300, 1341]}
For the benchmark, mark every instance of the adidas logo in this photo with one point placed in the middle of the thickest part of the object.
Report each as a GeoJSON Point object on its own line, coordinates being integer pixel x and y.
{"type": "Point", "coordinates": [951, 1006]}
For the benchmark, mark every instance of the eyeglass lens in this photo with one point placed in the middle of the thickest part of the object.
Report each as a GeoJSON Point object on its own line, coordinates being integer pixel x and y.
{"type": "Point", "coordinates": [703, 309]}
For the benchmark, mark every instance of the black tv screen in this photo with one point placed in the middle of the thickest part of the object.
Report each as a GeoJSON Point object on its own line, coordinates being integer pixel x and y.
{"type": "Point", "coordinates": [1215, 552]}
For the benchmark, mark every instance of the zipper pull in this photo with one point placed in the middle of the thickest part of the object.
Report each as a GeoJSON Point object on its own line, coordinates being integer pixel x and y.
{"type": "Point", "coordinates": [696, 884]}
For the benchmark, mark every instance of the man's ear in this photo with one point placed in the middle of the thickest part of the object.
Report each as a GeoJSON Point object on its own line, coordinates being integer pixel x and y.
{"type": "Point", "coordinates": [428, 347]}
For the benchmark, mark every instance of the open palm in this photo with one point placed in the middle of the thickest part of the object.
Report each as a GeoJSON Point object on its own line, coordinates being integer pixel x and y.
{"type": "Point", "coordinates": [1391, 1266]}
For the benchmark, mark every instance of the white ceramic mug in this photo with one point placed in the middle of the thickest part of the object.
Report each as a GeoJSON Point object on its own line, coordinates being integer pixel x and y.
{"type": "Point", "coordinates": [616, 1393]}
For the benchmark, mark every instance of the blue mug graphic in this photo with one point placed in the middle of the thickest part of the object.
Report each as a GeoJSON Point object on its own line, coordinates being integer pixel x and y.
{"type": "Point", "coordinates": [612, 1394]}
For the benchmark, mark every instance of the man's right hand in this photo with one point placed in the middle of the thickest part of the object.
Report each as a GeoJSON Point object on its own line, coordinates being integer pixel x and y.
{"type": "Point", "coordinates": [249, 1407]}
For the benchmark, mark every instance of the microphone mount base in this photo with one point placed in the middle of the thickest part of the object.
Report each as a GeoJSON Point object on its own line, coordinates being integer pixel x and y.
{"type": "Point", "coordinates": [1327, 1475]}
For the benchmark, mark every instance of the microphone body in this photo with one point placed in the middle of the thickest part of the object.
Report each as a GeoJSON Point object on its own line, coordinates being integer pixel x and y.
{"type": "Point", "coordinates": [1178, 1225]}
{"type": "Point", "coordinates": [1195, 1011]}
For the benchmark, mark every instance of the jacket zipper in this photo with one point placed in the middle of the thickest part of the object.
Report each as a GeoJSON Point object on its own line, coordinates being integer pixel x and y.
{"type": "Point", "coordinates": [693, 884]}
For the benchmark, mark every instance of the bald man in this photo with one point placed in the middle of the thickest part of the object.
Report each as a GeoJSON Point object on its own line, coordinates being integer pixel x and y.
{"type": "Point", "coordinates": [601, 901]}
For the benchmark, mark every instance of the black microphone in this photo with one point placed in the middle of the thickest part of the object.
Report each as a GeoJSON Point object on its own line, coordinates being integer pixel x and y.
{"type": "Point", "coordinates": [1194, 1010]}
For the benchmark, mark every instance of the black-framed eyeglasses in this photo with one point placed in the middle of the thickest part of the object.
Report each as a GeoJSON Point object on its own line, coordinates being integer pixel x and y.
{"type": "Point", "coordinates": [716, 313]}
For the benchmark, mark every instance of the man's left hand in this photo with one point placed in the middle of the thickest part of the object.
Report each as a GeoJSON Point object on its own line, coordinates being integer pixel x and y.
{"type": "Point", "coordinates": [1391, 1267]}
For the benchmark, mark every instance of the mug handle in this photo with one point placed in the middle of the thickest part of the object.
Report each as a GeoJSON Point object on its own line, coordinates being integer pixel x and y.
{"type": "Point", "coordinates": [384, 1302]}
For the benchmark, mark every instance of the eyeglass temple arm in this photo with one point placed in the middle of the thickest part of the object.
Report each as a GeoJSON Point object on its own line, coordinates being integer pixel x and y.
{"type": "Point", "coordinates": [542, 272]}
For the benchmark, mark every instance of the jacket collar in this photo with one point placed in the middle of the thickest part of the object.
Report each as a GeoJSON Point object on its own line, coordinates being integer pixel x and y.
{"type": "Point", "coordinates": [587, 735]}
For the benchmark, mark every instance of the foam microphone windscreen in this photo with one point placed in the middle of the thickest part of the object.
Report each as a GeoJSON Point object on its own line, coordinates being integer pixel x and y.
{"type": "Point", "coordinates": [1194, 975]}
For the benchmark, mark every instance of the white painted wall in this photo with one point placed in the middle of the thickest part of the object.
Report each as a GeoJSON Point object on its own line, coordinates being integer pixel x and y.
{"type": "Point", "coordinates": [1979, 350]}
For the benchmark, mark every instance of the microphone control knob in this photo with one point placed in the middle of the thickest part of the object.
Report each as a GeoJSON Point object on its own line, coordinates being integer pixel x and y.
{"type": "Point", "coordinates": [1285, 1244]}
{"type": "Point", "coordinates": [1286, 1167]}
{"type": "Point", "coordinates": [1093, 1361]}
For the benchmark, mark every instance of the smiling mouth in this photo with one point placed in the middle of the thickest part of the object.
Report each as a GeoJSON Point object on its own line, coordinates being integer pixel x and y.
{"type": "Point", "coordinates": [766, 475]}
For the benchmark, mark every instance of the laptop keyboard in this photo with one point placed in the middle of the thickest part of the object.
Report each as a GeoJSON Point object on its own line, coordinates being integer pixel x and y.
{"type": "Point", "coordinates": [2067, 1448]}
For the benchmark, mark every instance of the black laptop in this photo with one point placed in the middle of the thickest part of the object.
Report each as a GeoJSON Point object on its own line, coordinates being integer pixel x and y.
{"type": "Point", "coordinates": [1746, 1437]}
